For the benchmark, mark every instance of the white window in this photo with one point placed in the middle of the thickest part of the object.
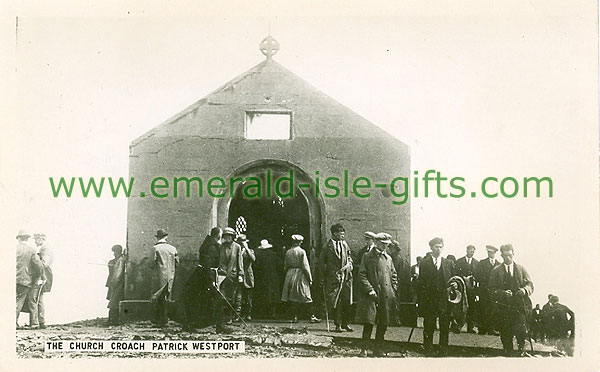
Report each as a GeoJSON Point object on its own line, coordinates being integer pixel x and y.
{"type": "Point", "coordinates": [268, 125]}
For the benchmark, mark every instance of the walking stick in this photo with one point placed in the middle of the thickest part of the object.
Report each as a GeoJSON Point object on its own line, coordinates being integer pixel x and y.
{"type": "Point", "coordinates": [216, 287]}
{"type": "Point", "coordinates": [326, 310]}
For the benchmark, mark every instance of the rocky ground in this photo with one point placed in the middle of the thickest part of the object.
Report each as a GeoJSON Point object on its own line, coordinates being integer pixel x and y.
{"type": "Point", "coordinates": [263, 340]}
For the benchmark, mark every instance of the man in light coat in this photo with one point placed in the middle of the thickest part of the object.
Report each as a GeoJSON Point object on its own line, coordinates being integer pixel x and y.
{"type": "Point", "coordinates": [378, 284]}
{"type": "Point", "coordinates": [47, 258]}
{"type": "Point", "coordinates": [336, 265]}
{"type": "Point", "coordinates": [231, 266]}
{"type": "Point", "coordinates": [165, 263]}
{"type": "Point", "coordinates": [246, 288]}
{"type": "Point", "coordinates": [29, 278]}
{"type": "Point", "coordinates": [511, 286]}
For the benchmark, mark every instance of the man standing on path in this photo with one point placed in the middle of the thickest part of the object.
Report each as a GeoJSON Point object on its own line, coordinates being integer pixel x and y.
{"type": "Point", "coordinates": [165, 262]}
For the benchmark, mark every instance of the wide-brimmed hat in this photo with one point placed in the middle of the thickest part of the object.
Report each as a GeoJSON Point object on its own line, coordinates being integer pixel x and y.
{"type": "Point", "coordinates": [229, 231]}
{"type": "Point", "coordinates": [385, 238]}
{"type": "Point", "coordinates": [297, 238]}
{"type": "Point", "coordinates": [160, 233]}
{"type": "Point", "coordinates": [242, 238]}
{"type": "Point", "coordinates": [23, 233]}
{"type": "Point", "coordinates": [264, 244]}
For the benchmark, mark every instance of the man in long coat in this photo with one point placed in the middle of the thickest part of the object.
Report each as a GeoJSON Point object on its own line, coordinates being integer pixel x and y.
{"type": "Point", "coordinates": [29, 277]}
{"type": "Point", "coordinates": [435, 271]}
{"type": "Point", "coordinates": [465, 267]}
{"type": "Point", "coordinates": [47, 258]}
{"type": "Point", "coordinates": [511, 286]}
{"type": "Point", "coordinates": [378, 283]}
{"type": "Point", "coordinates": [356, 260]}
{"type": "Point", "coordinates": [230, 266]}
{"type": "Point", "coordinates": [336, 272]}
{"type": "Point", "coordinates": [268, 273]}
{"type": "Point", "coordinates": [482, 276]}
{"type": "Point", "coordinates": [198, 295]}
{"type": "Point", "coordinates": [165, 262]}
{"type": "Point", "coordinates": [115, 284]}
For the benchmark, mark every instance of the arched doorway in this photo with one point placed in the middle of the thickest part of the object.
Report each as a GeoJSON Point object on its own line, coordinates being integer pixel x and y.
{"type": "Point", "coordinates": [272, 217]}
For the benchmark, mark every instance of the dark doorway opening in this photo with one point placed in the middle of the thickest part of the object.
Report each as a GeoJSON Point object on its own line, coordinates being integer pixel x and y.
{"type": "Point", "coordinates": [272, 218]}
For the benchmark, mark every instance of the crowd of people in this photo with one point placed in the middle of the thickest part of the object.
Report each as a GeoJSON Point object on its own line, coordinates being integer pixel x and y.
{"type": "Point", "coordinates": [233, 281]}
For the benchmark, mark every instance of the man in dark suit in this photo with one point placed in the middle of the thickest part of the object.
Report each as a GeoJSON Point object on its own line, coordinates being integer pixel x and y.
{"type": "Point", "coordinates": [435, 271]}
{"type": "Point", "coordinates": [465, 267]}
{"type": "Point", "coordinates": [336, 271]}
{"type": "Point", "coordinates": [482, 276]}
{"type": "Point", "coordinates": [511, 286]}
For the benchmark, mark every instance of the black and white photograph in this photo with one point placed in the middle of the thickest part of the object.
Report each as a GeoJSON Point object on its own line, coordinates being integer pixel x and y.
{"type": "Point", "coordinates": [337, 186]}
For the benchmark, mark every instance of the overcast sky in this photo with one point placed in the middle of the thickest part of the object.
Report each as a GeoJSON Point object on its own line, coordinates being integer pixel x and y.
{"type": "Point", "coordinates": [474, 96]}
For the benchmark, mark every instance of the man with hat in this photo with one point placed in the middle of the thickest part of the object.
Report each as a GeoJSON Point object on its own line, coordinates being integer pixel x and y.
{"type": "Point", "coordinates": [115, 284]}
{"type": "Point", "coordinates": [378, 284]}
{"type": "Point", "coordinates": [29, 277]}
{"type": "Point", "coordinates": [230, 266]}
{"type": "Point", "coordinates": [435, 271]}
{"type": "Point", "coordinates": [511, 286]}
{"type": "Point", "coordinates": [246, 288]}
{"type": "Point", "coordinates": [165, 263]}
{"type": "Point", "coordinates": [336, 272]}
{"type": "Point", "coordinates": [268, 273]}
{"type": "Point", "coordinates": [369, 244]}
{"type": "Point", "coordinates": [485, 307]}
{"type": "Point", "coordinates": [47, 258]}
{"type": "Point", "coordinates": [465, 267]}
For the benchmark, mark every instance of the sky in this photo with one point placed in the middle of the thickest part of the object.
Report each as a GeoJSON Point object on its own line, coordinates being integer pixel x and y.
{"type": "Point", "coordinates": [491, 94]}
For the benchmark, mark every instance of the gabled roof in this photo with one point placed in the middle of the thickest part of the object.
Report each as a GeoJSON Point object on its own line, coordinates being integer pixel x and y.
{"type": "Point", "coordinates": [270, 81]}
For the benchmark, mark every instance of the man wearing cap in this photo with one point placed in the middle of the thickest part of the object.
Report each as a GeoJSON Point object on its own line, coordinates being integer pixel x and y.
{"type": "Point", "coordinates": [231, 266]}
{"type": "Point", "coordinates": [336, 272]}
{"type": "Point", "coordinates": [115, 284]}
{"type": "Point", "coordinates": [378, 285]}
{"type": "Point", "coordinates": [47, 258]}
{"type": "Point", "coordinates": [435, 271]}
{"type": "Point", "coordinates": [246, 288]}
{"type": "Point", "coordinates": [511, 286]}
{"type": "Point", "coordinates": [29, 278]}
{"type": "Point", "coordinates": [165, 262]}
{"type": "Point", "coordinates": [485, 307]}
{"type": "Point", "coordinates": [369, 244]}
{"type": "Point", "coordinates": [465, 267]}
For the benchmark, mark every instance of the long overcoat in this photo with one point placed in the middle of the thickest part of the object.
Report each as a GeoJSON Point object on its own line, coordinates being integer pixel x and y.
{"type": "Point", "coordinates": [336, 271]}
{"type": "Point", "coordinates": [165, 261]}
{"type": "Point", "coordinates": [376, 273]}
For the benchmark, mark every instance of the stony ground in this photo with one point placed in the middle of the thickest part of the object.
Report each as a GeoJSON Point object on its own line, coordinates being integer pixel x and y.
{"type": "Point", "coordinates": [263, 340]}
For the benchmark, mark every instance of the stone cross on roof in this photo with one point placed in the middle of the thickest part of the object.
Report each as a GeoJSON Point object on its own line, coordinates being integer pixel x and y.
{"type": "Point", "coordinates": [269, 47]}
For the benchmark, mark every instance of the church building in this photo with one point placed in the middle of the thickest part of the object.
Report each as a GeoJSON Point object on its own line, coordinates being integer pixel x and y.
{"type": "Point", "coordinates": [259, 127]}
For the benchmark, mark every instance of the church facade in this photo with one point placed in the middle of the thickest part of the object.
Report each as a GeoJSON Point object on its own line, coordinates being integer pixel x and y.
{"type": "Point", "coordinates": [259, 127]}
